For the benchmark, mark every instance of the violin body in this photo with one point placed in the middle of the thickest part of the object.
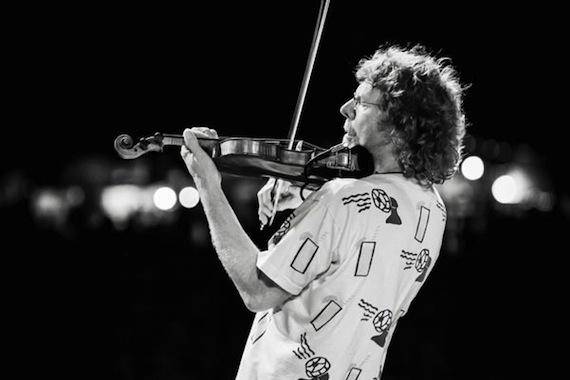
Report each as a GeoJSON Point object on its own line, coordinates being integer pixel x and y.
{"type": "Point", "coordinates": [308, 165]}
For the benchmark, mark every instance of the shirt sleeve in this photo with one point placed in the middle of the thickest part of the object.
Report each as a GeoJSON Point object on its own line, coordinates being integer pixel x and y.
{"type": "Point", "coordinates": [303, 247]}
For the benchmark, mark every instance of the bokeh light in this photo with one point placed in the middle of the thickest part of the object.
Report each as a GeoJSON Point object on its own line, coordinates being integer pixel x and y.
{"type": "Point", "coordinates": [188, 197]}
{"type": "Point", "coordinates": [472, 168]}
{"type": "Point", "coordinates": [506, 190]}
{"type": "Point", "coordinates": [164, 198]}
{"type": "Point", "coordinates": [119, 202]}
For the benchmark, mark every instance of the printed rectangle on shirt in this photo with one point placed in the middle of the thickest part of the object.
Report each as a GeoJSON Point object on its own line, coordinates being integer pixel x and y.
{"type": "Point", "coordinates": [365, 258]}
{"type": "Point", "coordinates": [325, 315]}
{"type": "Point", "coordinates": [260, 327]}
{"type": "Point", "coordinates": [304, 256]}
{"type": "Point", "coordinates": [354, 373]}
{"type": "Point", "coordinates": [422, 224]}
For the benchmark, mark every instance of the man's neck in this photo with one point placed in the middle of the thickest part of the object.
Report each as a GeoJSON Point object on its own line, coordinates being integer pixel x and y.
{"type": "Point", "coordinates": [385, 161]}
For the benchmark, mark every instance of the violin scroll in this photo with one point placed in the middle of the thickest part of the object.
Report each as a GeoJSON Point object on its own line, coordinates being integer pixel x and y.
{"type": "Point", "coordinates": [127, 149]}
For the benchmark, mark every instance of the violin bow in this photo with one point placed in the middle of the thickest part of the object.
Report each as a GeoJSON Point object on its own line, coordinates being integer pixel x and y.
{"type": "Point", "coordinates": [324, 6]}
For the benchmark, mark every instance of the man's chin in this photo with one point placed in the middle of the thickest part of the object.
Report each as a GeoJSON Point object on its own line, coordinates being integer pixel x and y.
{"type": "Point", "coordinates": [349, 141]}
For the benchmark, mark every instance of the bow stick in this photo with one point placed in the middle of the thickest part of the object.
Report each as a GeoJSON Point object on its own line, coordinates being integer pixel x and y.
{"type": "Point", "coordinates": [278, 186]}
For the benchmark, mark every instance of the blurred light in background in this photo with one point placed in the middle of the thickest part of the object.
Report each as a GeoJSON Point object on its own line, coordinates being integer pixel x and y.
{"type": "Point", "coordinates": [188, 197]}
{"type": "Point", "coordinates": [120, 202]}
{"type": "Point", "coordinates": [164, 198]}
{"type": "Point", "coordinates": [521, 187]}
{"type": "Point", "coordinates": [472, 168]}
{"type": "Point", "coordinates": [50, 208]}
{"type": "Point", "coordinates": [507, 190]}
{"type": "Point", "coordinates": [145, 204]}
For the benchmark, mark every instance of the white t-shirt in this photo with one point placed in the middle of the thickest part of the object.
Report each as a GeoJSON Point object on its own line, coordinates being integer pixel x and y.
{"type": "Point", "coordinates": [354, 255]}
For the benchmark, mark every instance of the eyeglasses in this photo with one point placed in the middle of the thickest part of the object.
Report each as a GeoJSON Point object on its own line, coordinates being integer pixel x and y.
{"type": "Point", "coordinates": [357, 101]}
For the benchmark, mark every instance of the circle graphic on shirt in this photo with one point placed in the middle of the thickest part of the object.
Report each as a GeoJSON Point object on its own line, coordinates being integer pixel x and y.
{"type": "Point", "coordinates": [317, 366]}
{"type": "Point", "coordinates": [381, 200]}
{"type": "Point", "coordinates": [382, 320]}
{"type": "Point", "coordinates": [422, 261]}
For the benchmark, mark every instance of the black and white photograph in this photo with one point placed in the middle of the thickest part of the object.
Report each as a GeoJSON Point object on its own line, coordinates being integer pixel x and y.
{"type": "Point", "coordinates": [300, 190]}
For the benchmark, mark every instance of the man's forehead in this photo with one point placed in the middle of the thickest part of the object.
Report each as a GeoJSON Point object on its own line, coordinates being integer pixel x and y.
{"type": "Point", "coordinates": [366, 88]}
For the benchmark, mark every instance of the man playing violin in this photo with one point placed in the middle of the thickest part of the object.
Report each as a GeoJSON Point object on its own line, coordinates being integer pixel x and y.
{"type": "Point", "coordinates": [346, 264]}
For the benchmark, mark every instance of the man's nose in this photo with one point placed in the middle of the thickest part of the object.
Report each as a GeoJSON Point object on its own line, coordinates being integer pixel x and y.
{"type": "Point", "coordinates": [347, 110]}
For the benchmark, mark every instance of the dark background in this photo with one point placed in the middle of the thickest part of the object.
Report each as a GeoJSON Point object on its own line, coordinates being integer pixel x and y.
{"type": "Point", "coordinates": [154, 303]}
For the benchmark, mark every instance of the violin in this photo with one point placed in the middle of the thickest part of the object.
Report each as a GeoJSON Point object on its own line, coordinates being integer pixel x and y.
{"type": "Point", "coordinates": [308, 165]}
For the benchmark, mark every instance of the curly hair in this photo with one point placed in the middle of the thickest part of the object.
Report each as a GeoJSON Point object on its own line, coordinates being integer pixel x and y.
{"type": "Point", "coordinates": [422, 99]}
